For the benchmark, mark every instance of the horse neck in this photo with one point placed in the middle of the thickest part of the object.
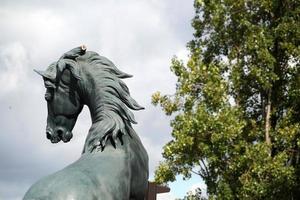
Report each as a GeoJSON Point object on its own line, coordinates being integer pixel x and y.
{"type": "Point", "coordinates": [91, 95]}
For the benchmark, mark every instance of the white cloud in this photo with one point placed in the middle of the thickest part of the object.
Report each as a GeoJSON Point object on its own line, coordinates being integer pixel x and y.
{"type": "Point", "coordinates": [183, 55]}
{"type": "Point", "coordinates": [166, 196]}
{"type": "Point", "coordinates": [13, 67]}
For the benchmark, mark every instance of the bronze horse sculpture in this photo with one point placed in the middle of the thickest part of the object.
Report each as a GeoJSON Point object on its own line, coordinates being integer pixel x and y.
{"type": "Point", "coordinates": [114, 163]}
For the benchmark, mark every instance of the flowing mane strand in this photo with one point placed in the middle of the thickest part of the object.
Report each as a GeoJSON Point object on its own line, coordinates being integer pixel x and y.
{"type": "Point", "coordinates": [115, 117]}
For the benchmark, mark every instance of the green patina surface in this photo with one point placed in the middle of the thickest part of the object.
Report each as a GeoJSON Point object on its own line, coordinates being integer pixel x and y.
{"type": "Point", "coordinates": [114, 163]}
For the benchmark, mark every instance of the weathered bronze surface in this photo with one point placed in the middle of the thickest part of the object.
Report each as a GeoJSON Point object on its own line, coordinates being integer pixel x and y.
{"type": "Point", "coordinates": [114, 163]}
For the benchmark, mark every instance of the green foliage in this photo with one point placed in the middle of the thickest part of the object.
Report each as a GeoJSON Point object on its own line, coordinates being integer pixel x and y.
{"type": "Point", "coordinates": [197, 195]}
{"type": "Point", "coordinates": [240, 86]}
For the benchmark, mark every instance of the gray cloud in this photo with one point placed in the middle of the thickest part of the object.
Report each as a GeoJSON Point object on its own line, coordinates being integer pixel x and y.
{"type": "Point", "coordinates": [139, 36]}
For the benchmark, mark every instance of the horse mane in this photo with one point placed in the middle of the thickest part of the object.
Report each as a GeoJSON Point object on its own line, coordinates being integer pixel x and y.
{"type": "Point", "coordinates": [116, 118]}
{"type": "Point", "coordinates": [115, 115]}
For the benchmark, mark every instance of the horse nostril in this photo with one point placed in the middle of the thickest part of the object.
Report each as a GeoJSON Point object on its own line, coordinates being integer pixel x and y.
{"type": "Point", "coordinates": [59, 132]}
{"type": "Point", "coordinates": [48, 135]}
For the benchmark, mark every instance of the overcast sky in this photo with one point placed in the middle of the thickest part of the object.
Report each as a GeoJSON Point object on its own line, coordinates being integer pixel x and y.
{"type": "Point", "coordinates": [139, 36]}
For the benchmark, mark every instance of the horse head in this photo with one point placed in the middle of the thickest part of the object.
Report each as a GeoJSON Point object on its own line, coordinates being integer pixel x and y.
{"type": "Point", "coordinates": [61, 81]}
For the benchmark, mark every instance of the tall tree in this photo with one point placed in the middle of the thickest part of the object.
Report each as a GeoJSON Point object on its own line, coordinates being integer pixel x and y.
{"type": "Point", "coordinates": [237, 102]}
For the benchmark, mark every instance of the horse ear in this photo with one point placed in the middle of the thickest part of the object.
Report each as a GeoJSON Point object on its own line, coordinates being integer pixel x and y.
{"type": "Point", "coordinates": [73, 67]}
{"type": "Point", "coordinates": [47, 82]}
{"type": "Point", "coordinates": [75, 73]}
{"type": "Point", "coordinates": [50, 72]}
{"type": "Point", "coordinates": [39, 72]}
{"type": "Point", "coordinates": [61, 65]}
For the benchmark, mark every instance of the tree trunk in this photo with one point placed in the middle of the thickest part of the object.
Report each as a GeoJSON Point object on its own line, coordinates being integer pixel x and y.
{"type": "Point", "coordinates": [267, 118]}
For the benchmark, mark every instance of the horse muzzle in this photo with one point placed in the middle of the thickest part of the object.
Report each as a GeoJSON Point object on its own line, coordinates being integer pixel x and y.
{"type": "Point", "coordinates": [58, 134]}
{"type": "Point", "coordinates": [54, 138]}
